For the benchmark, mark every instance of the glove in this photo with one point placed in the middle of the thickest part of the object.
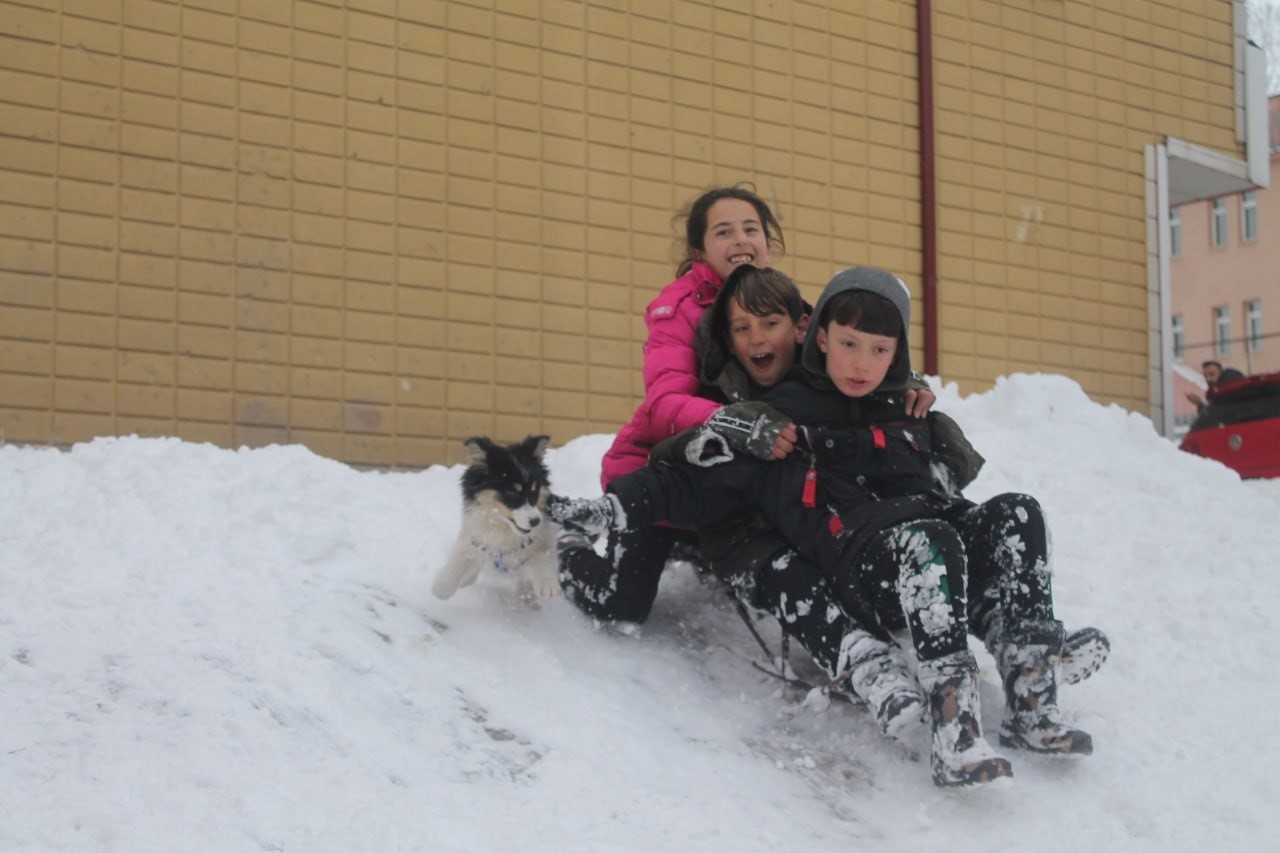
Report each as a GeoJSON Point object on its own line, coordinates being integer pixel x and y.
{"type": "Point", "coordinates": [749, 427]}
{"type": "Point", "coordinates": [706, 447]}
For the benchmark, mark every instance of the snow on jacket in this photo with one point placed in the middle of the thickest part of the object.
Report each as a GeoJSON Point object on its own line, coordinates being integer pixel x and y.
{"type": "Point", "coordinates": [671, 402]}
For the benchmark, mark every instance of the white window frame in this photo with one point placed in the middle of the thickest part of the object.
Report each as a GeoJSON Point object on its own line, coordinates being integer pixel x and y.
{"type": "Point", "coordinates": [1253, 325]}
{"type": "Point", "coordinates": [1218, 223]}
{"type": "Point", "coordinates": [1249, 217]}
{"type": "Point", "coordinates": [1179, 339]}
{"type": "Point", "coordinates": [1221, 330]}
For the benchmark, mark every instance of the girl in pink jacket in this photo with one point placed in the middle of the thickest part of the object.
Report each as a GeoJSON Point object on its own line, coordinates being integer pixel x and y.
{"type": "Point", "coordinates": [724, 227]}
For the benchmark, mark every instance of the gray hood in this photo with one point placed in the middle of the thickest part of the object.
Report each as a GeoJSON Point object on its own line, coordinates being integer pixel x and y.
{"type": "Point", "coordinates": [880, 283]}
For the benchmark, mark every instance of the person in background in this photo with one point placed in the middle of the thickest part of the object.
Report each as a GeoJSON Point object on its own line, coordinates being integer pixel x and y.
{"type": "Point", "coordinates": [1214, 375]}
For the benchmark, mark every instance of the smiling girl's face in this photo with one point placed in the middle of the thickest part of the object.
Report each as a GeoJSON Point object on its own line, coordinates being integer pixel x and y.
{"type": "Point", "coordinates": [734, 236]}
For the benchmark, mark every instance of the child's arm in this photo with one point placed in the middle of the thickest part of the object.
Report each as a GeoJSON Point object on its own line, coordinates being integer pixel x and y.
{"type": "Point", "coordinates": [750, 428]}
{"type": "Point", "coordinates": [952, 449]}
{"type": "Point", "coordinates": [671, 402]}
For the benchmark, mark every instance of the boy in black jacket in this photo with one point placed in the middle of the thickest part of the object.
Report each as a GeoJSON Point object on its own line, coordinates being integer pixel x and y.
{"type": "Point", "coordinates": [898, 544]}
{"type": "Point", "coordinates": [748, 342]}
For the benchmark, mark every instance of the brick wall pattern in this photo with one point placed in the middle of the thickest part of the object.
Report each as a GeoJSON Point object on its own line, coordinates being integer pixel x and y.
{"type": "Point", "coordinates": [376, 227]}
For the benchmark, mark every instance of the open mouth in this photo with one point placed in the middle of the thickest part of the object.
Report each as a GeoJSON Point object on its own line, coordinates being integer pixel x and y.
{"type": "Point", "coordinates": [763, 361]}
{"type": "Point", "coordinates": [741, 259]}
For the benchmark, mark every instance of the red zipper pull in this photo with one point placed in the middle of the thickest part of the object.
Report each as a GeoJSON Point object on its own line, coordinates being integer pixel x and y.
{"type": "Point", "coordinates": [809, 496]}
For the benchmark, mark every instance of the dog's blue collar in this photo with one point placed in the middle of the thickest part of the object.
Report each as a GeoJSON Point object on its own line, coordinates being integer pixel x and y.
{"type": "Point", "coordinates": [500, 556]}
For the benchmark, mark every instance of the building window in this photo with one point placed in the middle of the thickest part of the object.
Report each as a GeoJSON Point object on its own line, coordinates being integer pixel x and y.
{"type": "Point", "coordinates": [1249, 217]}
{"type": "Point", "coordinates": [1179, 342]}
{"type": "Point", "coordinates": [1175, 232]}
{"type": "Point", "coordinates": [1222, 330]}
{"type": "Point", "coordinates": [1218, 227]}
{"type": "Point", "coordinates": [1253, 324]}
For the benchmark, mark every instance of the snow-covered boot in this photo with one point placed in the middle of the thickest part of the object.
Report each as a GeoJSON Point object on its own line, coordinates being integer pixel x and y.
{"type": "Point", "coordinates": [1028, 660]}
{"type": "Point", "coordinates": [961, 756]}
{"type": "Point", "coordinates": [1084, 651]}
{"type": "Point", "coordinates": [880, 676]}
{"type": "Point", "coordinates": [592, 516]}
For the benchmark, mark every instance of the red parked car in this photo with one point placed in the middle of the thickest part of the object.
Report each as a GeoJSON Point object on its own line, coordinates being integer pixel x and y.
{"type": "Point", "coordinates": [1240, 426]}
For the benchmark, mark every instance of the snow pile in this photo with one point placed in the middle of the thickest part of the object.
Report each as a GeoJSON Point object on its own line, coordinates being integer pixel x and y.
{"type": "Point", "coordinates": [213, 650]}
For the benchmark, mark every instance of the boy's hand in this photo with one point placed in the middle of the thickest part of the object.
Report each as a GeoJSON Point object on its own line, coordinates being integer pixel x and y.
{"type": "Point", "coordinates": [785, 443]}
{"type": "Point", "coordinates": [919, 401]}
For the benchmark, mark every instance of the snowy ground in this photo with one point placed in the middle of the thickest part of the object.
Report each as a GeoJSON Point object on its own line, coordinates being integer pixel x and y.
{"type": "Point", "coordinates": [207, 650]}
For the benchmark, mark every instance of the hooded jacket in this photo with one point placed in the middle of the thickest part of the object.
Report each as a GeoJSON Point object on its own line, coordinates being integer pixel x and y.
{"type": "Point", "coordinates": [671, 402]}
{"type": "Point", "coordinates": [869, 463]}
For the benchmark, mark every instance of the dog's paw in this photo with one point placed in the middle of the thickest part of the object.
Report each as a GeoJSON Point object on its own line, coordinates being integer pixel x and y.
{"type": "Point", "coordinates": [546, 589]}
{"type": "Point", "coordinates": [443, 588]}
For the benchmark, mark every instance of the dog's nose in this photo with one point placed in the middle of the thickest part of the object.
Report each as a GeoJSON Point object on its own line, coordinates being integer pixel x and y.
{"type": "Point", "coordinates": [534, 522]}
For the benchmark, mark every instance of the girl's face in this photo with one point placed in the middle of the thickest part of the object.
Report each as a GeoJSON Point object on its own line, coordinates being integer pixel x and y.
{"type": "Point", "coordinates": [765, 346]}
{"type": "Point", "coordinates": [857, 362]}
{"type": "Point", "coordinates": [734, 236]}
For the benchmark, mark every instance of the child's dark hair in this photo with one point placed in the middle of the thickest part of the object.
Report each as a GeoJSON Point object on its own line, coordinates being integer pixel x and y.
{"type": "Point", "coordinates": [763, 292]}
{"type": "Point", "coordinates": [865, 311]}
{"type": "Point", "coordinates": [695, 222]}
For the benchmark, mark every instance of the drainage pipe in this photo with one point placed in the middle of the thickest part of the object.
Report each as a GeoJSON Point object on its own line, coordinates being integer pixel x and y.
{"type": "Point", "coordinates": [928, 185]}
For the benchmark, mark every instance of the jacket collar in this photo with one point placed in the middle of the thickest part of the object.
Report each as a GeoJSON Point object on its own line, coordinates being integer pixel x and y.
{"type": "Point", "coordinates": [706, 283]}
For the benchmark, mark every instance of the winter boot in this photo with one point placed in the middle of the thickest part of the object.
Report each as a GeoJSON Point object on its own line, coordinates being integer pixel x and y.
{"type": "Point", "coordinates": [592, 516]}
{"type": "Point", "coordinates": [961, 756]}
{"type": "Point", "coordinates": [1084, 651]}
{"type": "Point", "coordinates": [1028, 660]}
{"type": "Point", "coordinates": [879, 675]}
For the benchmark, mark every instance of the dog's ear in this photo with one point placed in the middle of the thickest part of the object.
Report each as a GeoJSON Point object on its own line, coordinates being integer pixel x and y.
{"type": "Point", "coordinates": [535, 445]}
{"type": "Point", "coordinates": [479, 447]}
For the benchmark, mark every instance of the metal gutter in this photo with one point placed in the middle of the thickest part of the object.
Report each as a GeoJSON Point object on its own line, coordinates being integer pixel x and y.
{"type": "Point", "coordinates": [928, 186]}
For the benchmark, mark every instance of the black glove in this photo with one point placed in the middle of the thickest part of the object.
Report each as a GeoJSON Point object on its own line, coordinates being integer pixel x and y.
{"type": "Point", "coordinates": [749, 427]}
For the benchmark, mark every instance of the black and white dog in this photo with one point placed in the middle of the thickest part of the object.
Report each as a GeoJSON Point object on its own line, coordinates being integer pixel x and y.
{"type": "Point", "coordinates": [504, 522]}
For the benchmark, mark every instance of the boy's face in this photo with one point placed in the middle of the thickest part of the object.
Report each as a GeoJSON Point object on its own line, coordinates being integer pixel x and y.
{"type": "Point", "coordinates": [856, 361]}
{"type": "Point", "coordinates": [734, 237]}
{"type": "Point", "coordinates": [766, 346]}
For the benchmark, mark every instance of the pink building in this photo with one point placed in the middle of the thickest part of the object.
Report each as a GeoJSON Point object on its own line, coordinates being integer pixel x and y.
{"type": "Point", "coordinates": [1225, 274]}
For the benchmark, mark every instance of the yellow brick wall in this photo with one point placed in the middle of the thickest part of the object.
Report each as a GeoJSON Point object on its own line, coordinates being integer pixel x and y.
{"type": "Point", "coordinates": [1043, 112]}
{"type": "Point", "coordinates": [379, 226]}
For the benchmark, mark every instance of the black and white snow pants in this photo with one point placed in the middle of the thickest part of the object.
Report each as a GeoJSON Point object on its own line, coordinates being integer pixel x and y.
{"type": "Point", "coordinates": [980, 569]}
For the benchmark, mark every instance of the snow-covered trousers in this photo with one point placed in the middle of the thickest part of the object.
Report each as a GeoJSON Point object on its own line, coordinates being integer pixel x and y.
{"type": "Point", "coordinates": [914, 572]}
{"type": "Point", "coordinates": [998, 549]}
{"type": "Point", "coordinates": [981, 568]}
{"type": "Point", "coordinates": [621, 585]}
{"type": "Point", "coordinates": [795, 592]}
{"type": "Point", "coordinates": [1010, 579]}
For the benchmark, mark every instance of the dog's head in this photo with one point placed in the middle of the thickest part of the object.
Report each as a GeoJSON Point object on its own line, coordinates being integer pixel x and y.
{"type": "Point", "coordinates": [510, 479]}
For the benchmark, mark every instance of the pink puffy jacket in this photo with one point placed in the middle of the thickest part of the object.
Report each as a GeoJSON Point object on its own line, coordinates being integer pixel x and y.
{"type": "Point", "coordinates": [671, 402]}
